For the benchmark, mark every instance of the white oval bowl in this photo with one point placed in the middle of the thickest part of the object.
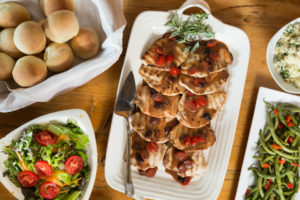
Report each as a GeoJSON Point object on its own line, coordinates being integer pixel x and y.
{"type": "Point", "coordinates": [83, 122]}
{"type": "Point", "coordinates": [270, 57]}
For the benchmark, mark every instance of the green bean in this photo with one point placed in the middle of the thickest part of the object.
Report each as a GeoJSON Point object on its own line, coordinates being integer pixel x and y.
{"type": "Point", "coordinates": [255, 195]}
{"type": "Point", "coordinates": [264, 144]}
{"type": "Point", "coordinates": [295, 141]}
{"type": "Point", "coordinates": [283, 154]}
{"type": "Point", "coordinates": [280, 143]}
{"type": "Point", "coordinates": [269, 192]}
{"type": "Point", "coordinates": [268, 158]}
{"type": "Point", "coordinates": [259, 185]}
{"type": "Point", "coordinates": [278, 178]}
{"type": "Point", "coordinates": [272, 196]}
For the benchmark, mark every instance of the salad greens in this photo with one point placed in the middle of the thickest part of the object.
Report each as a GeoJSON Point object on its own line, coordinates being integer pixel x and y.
{"type": "Point", "coordinates": [70, 141]}
{"type": "Point", "coordinates": [278, 156]}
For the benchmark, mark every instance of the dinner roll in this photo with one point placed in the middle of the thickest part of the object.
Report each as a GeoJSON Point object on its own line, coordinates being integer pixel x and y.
{"type": "Point", "coordinates": [29, 70]}
{"type": "Point", "coordinates": [58, 57]}
{"type": "Point", "coordinates": [12, 14]}
{"type": "Point", "coordinates": [86, 43]}
{"type": "Point", "coordinates": [61, 26]}
{"type": "Point", "coordinates": [50, 6]}
{"type": "Point", "coordinates": [7, 64]}
{"type": "Point", "coordinates": [7, 43]}
{"type": "Point", "coordinates": [29, 38]}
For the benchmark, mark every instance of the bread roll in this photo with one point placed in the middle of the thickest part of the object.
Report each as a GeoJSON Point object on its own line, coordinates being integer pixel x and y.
{"type": "Point", "coordinates": [58, 57]}
{"type": "Point", "coordinates": [29, 70]}
{"type": "Point", "coordinates": [61, 26]}
{"type": "Point", "coordinates": [7, 64]}
{"type": "Point", "coordinates": [7, 43]}
{"type": "Point", "coordinates": [50, 6]}
{"type": "Point", "coordinates": [86, 43]}
{"type": "Point", "coordinates": [12, 14]}
{"type": "Point", "coordinates": [30, 38]}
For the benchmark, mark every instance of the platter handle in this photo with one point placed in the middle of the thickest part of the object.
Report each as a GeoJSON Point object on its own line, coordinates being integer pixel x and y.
{"type": "Point", "coordinates": [194, 3]}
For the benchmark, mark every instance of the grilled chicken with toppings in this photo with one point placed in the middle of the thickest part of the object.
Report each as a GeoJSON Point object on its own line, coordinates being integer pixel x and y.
{"type": "Point", "coordinates": [153, 129]}
{"type": "Point", "coordinates": [155, 104]}
{"type": "Point", "coordinates": [211, 57]}
{"type": "Point", "coordinates": [162, 81]}
{"type": "Point", "coordinates": [165, 53]}
{"type": "Point", "coordinates": [145, 155]}
{"type": "Point", "coordinates": [196, 111]}
{"type": "Point", "coordinates": [183, 163]}
{"type": "Point", "coordinates": [205, 85]}
{"type": "Point", "coordinates": [192, 139]}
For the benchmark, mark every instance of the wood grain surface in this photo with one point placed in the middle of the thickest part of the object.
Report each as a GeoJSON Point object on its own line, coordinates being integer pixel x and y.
{"type": "Point", "coordinates": [259, 19]}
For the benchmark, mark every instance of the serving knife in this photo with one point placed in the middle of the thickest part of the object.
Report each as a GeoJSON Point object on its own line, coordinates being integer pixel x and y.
{"type": "Point", "coordinates": [124, 108]}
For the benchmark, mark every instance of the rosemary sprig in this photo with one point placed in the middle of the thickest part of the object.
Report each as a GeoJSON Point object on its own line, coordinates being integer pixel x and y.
{"type": "Point", "coordinates": [190, 31]}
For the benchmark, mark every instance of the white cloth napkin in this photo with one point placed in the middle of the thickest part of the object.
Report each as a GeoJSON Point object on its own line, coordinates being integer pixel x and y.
{"type": "Point", "coordinates": [104, 16]}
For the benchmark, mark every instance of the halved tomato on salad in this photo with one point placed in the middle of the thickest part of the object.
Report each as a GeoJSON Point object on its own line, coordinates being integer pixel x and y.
{"type": "Point", "coordinates": [45, 137]}
{"type": "Point", "coordinates": [74, 164]}
{"type": "Point", "coordinates": [49, 190]}
{"type": "Point", "coordinates": [43, 168]}
{"type": "Point", "coordinates": [28, 178]}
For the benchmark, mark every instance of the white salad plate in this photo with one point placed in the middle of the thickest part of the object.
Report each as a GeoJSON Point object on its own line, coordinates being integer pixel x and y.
{"type": "Point", "coordinates": [148, 27]}
{"type": "Point", "coordinates": [258, 122]}
{"type": "Point", "coordinates": [84, 123]}
{"type": "Point", "coordinates": [270, 60]}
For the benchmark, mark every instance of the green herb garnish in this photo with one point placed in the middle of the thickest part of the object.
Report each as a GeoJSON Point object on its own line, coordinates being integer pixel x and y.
{"type": "Point", "coordinates": [284, 73]}
{"type": "Point", "coordinates": [190, 31]}
{"type": "Point", "coordinates": [278, 44]}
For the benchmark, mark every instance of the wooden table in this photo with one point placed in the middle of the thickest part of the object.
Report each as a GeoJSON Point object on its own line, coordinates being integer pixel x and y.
{"type": "Point", "coordinates": [259, 19]}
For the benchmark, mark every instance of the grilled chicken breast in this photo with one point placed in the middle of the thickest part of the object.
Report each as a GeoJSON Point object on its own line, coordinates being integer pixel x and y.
{"type": "Point", "coordinates": [207, 60]}
{"type": "Point", "coordinates": [197, 111]}
{"type": "Point", "coordinates": [145, 154]}
{"type": "Point", "coordinates": [184, 163]}
{"type": "Point", "coordinates": [155, 104]}
{"type": "Point", "coordinates": [161, 81]}
{"type": "Point", "coordinates": [165, 53]}
{"type": "Point", "coordinates": [206, 85]}
{"type": "Point", "coordinates": [153, 129]}
{"type": "Point", "coordinates": [192, 139]}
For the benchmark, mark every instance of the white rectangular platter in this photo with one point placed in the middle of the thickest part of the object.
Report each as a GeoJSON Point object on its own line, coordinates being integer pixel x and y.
{"type": "Point", "coordinates": [258, 122]}
{"type": "Point", "coordinates": [148, 27]}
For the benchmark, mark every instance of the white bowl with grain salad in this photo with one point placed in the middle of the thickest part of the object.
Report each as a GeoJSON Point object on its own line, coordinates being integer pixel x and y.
{"type": "Point", "coordinates": [283, 57]}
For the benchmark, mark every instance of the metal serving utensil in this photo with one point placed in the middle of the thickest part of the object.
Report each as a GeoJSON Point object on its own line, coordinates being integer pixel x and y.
{"type": "Point", "coordinates": [124, 108]}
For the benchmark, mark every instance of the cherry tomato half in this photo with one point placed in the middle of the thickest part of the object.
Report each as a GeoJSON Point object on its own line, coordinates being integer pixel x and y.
{"type": "Point", "coordinates": [211, 43]}
{"type": "Point", "coordinates": [28, 178]}
{"type": "Point", "coordinates": [174, 71]}
{"type": "Point", "coordinates": [180, 155]}
{"type": "Point", "coordinates": [49, 190]}
{"type": "Point", "coordinates": [161, 60]}
{"type": "Point", "coordinates": [152, 147]}
{"type": "Point", "coordinates": [43, 168]}
{"type": "Point", "coordinates": [74, 164]}
{"type": "Point", "coordinates": [45, 137]}
{"type": "Point", "coordinates": [170, 59]}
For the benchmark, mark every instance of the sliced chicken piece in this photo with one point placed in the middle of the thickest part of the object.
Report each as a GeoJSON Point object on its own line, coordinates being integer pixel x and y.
{"type": "Point", "coordinates": [207, 60]}
{"type": "Point", "coordinates": [165, 53]}
{"type": "Point", "coordinates": [155, 104]}
{"type": "Point", "coordinates": [162, 81]}
{"type": "Point", "coordinates": [206, 85]}
{"type": "Point", "coordinates": [185, 163]}
{"type": "Point", "coordinates": [192, 139]}
{"type": "Point", "coordinates": [196, 111]}
{"type": "Point", "coordinates": [153, 129]}
{"type": "Point", "coordinates": [145, 154]}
